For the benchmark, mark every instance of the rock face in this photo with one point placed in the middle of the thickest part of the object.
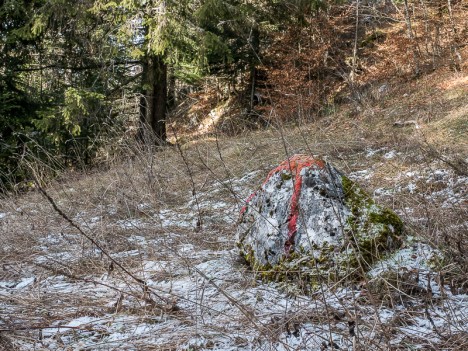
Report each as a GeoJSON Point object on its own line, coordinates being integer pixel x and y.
{"type": "Point", "coordinates": [310, 221]}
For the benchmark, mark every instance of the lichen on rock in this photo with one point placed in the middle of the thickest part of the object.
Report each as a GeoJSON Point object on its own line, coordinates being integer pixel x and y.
{"type": "Point", "coordinates": [311, 223]}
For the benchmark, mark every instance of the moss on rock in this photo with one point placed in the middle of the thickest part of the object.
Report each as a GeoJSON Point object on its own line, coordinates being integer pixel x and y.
{"type": "Point", "coordinates": [372, 230]}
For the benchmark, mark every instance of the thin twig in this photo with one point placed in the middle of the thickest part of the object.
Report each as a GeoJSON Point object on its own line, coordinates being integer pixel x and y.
{"type": "Point", "coordinates": [192, 181]}
{"type": "Point", "coordinates": [141, 282]}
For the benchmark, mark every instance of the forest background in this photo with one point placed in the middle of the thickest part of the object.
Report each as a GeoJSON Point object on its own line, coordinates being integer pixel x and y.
{"type": "Point", "coordinates": [80, 78]}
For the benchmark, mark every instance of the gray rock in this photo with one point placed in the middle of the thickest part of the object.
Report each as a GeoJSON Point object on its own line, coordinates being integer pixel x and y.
{"type": "Point", "coordinates": [310, 219]}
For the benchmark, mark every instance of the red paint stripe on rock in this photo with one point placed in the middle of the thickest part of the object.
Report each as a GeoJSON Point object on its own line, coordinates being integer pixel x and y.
{"type": "Point", "coordinates": [294, 165]}
{"type": "Point", "coordinates": [293, 214]}
{"type": "Point", "coordinates": [244, 208]}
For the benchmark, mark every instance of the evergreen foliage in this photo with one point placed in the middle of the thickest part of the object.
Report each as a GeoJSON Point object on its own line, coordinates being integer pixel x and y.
{"type": "Point", "coordinates": [58, 71]}
{"type": "Point", "coordinates": [66, 66]}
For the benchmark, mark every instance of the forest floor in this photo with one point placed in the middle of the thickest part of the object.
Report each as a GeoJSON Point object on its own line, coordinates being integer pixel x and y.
{"type": "Point", "coordinates": [169, 218]}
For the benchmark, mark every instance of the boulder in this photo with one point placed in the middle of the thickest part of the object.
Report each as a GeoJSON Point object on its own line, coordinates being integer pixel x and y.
{"type": "Point", "coordinates": [309, 221]}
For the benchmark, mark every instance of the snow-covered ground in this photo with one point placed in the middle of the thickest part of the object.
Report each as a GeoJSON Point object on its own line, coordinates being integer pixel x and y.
{"type": "Point", "coordinates": [199, 295]}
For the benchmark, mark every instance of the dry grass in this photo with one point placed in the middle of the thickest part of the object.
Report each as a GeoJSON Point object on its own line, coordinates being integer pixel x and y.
{"type": "Point", "coordinates": [143, 211]}
{"type": "Point", "coordinates": [160, 182]}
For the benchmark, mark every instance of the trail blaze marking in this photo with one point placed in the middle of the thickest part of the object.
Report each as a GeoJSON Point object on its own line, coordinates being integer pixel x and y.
{"type": "Point", "coordinates": [294, 165]}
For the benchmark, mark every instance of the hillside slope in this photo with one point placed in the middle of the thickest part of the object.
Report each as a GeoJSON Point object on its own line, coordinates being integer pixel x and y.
{"type": "Point", "coordinates": [169, 218]}
{"type": "Point", "coordinates": [140, 255]}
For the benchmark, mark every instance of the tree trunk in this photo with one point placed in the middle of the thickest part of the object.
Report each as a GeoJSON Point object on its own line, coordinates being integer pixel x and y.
{"type": "Point", "coordinates": [254, 59]}
{"type": "Point", "coordinates": [153, 99]}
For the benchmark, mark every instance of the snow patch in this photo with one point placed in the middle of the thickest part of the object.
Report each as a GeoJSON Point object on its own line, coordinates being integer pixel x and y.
{"type": "Point", "coordinates": [390, 155]}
